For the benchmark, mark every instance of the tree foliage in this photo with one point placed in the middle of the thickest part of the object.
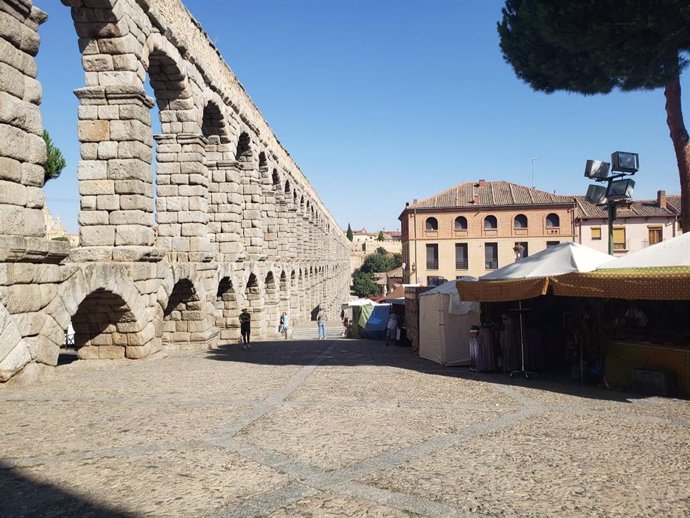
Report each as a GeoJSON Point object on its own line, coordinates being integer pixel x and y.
{"type": "Point", "coordinates": [381, 237]}
{"type": "Point", "coordinates": [596, 46]}
{"type": "Point", "coordinates": [55, 162]}
{"type": "Point", "coordinates": [380, 261]}
{"type": "Point", "coordinates": [364, 285]}
{"type": "Point", "coordinates": [348, 234]}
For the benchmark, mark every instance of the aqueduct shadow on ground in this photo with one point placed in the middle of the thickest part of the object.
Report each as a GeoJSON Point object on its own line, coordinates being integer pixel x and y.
{"type": "Point", "coordinates": [352, 353]}
{"type": "Point", "coordinates": [23, 497]}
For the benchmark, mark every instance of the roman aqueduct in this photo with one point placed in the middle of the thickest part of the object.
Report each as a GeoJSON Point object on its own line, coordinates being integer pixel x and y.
{"type": "Point", "coordinates": [236, 223]}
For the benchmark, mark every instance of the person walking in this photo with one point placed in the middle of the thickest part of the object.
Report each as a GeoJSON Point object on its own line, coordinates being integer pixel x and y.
{"type": "Point", "coordinates": [391, 328]}
{"type": "Point", "coordinates": [246, 328]}
{"type": "Point", "coordinates": [284, 324]}
{"type": "Point", "coordinates": [321, 319]}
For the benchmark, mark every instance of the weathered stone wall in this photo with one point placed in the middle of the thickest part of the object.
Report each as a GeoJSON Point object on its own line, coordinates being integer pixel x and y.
{"type": "Point", "coordinates": [236, 223]}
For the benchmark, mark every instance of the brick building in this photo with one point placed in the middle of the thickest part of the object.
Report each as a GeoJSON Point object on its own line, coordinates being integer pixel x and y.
{"type": "Point", "coordinates": [473, 228]}
{"type": "Point", "coordinates": [638, 223]}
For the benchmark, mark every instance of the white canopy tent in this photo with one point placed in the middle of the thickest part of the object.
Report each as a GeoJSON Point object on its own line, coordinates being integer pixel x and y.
{"type": "Point", "coordinates": [444, 325]}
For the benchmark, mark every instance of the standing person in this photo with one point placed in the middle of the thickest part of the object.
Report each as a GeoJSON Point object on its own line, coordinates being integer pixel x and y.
{"type": "Point", "coordinates": [246, 328]}
{"type": "Point", "coordinates": [285, 324]}
{"type": "Point", "coordinates": [391, 328]}
{"type": "Point", "coordinates": [321, 319]}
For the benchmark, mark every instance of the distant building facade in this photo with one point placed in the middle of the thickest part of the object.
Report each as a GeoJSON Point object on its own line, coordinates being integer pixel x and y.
{"type": "Point", "coordinates": [474, 228]}
{"type": "Point", "coordinates": [638, 224]}
{"type": "Point", "coordinates": [365, 243]}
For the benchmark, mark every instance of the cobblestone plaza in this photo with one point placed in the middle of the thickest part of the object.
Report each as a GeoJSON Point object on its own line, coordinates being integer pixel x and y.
{"type": "Point", "coordinates": [333, 428]}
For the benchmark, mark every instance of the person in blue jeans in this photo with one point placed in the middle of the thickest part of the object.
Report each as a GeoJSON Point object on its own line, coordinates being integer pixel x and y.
{"type": "Point", "coordinates": [321, 320]}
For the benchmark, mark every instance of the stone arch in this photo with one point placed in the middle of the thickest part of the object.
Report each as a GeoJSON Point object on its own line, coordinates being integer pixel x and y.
{"type": "Point", "coordinates": [255, 304]}
{"type": "Point", "coordinates": [170, 85]}
{"type": "Point", "coordinates": [286, 190]}
{"type": "Point", "coordinates": [272, 302]}
{"type": "Point", "coordinates": [275, 177]}
{"type": "Point", "coordinates": [227, 311]}
{"type": "Point", "coordinates": [262, 160]}
{"type": "Point", "coordinates": [243, 152]}
{"type": "Point", "coordinates": [213, 122]}
{"type": "Point", "coordinates": [184, 307]}
{"type": "Point", "coordinates": [284, 289]}
{"type": "Point", "coordinates": [109, 316]}
{"type": "Point", "coordinates": [294, 297]}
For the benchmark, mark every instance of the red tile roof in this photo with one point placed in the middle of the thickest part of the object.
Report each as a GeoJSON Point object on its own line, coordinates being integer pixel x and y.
{"type": "Point", "coordinates": [490, 194]}
{"type": "Point", "coordinates": [634, 209]}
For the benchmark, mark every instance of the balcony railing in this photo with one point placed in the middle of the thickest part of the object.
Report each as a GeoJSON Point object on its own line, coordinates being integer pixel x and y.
{"type": "Point", "coordinates": [491, 264]}
{"type": "Point", "coordinates": [432, 265]}
{"type": "Point", "coordinates": [462, 265]}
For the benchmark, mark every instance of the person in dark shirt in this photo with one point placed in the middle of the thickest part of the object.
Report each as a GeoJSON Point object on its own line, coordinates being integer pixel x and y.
{"type": "Point", "coordinates": [246, 328]}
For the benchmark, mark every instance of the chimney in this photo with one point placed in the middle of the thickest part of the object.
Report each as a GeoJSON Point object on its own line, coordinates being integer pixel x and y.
{"type": "Point", "coordinates": [661, 199]}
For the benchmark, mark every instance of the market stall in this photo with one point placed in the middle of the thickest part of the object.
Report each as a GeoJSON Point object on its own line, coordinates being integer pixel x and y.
{"type": "Point", "coordinates": [445, 323]}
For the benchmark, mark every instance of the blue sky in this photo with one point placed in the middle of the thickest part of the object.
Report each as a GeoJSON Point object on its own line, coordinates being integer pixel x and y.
{"type": "Point", "coordinates": [380, 102]}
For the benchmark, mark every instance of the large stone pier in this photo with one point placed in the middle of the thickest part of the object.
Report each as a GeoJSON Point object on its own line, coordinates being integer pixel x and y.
{"type": "Point", "coordinates": [235, 222]}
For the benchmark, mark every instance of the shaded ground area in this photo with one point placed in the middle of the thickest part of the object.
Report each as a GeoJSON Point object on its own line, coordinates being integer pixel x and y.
{"type": "Point", "coordinates": [333, 427]}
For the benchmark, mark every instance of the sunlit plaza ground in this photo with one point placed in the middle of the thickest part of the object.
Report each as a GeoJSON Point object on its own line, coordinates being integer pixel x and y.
{"type": "Point", "coordinates": [333, 428]}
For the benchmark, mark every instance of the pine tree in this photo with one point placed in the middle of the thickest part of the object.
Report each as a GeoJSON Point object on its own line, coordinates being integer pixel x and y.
{"type": "Point", "coordinates": [55, 162]}
{"type": "Point", "coordinates": [349, 232]}
{"type": "Point", "coordinates": [592, 47]}
{"type": "Point", "coordinates": [381, 236]}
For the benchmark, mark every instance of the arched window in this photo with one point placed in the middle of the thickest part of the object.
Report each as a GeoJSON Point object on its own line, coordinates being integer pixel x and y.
{"type": "Point", "coordinates": [490, 223]}
{"type": "Point", "coordinates": [460, 223]}
{"type": "Point", "coordinates": [553, 221]}
{"type": "Point", "coordinates": [431, 224]}
{"type": "Point", "coordinates": [262, 159]}
{"type": "Point", "coordinates": [287, 186]}
{"type": "Point", "coordinates": [520, 221]}
{"type": "Point", "coordinates": [276, 177]}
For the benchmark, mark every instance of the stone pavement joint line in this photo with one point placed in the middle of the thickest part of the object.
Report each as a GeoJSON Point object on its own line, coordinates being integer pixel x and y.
{"type": "Point", "coordinates": [313, 428]}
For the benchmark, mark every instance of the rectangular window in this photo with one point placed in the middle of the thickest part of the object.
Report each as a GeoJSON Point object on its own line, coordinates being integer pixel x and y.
{"type": "Point", "coordinates": [655, 235]}
{"type": "Point", "coordinates": [491, 256]}
{"type": "Point", "coordinates": [596, 233]}
{"type": "Point", "coordinates": [619, 238]}
{"type": "Point", "coordinates": [549, 244]}
{"type": "Point", "coordinates": [432, 257]}
{"type": "Point", "coordinates": [461, 260]}
{"type": "Point", "coordinates": [435, 280]}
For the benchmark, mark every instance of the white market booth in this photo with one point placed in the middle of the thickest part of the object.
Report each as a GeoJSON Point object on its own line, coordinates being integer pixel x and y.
{"type": "Point", "coordinates": [444, 325]}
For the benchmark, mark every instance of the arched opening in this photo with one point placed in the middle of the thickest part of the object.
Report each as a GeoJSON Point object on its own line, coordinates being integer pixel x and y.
{"type": "Point", "coordinates": [553, 221]}
{"type": "Point", "coordinates": [100, 328]}
{"type": "Point", "coordinates": [255, 304]}
{"type": "Point", "coordinates": [276, 179]}
{"type": "Point", "coordinates": [490, 223]}
{"type": "Point", "coordinates": [227, 312]}
{"type": "Point", "coordinates": [262, 160]}
{"type": "Point", "coordinates": [520, 222]}
{"type": "Point", "coordinates": [212, 122]}
{"type": "Point", "coordinates": [272, 301]}
{"type": "Point", "coordinates": [182, 316]}
{"type": "Point", "coordinates": [284, 292]}
{"type": "Point", "coordinates": [167, 84]}
{"type": "Point", "coordinates": [431, 225]}
{"type": "Point", "coordinates": [243, 151]}
{"type": "Point", "coordinates": [287, 186]}
{"type": "Point", "coordinates": [460, 223]}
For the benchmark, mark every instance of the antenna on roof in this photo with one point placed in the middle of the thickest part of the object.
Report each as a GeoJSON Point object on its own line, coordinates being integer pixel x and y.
{"type": "Point", "coordinates": [533, 161]}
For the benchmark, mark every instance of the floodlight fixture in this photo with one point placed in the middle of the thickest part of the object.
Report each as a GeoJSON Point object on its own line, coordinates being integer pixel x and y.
{"type": "Point", "coordinates": [620, 189]}
{"type": "Point", "coordinates": [596, 194]}
{"type": "Point", "coordinates": [597, 169]}
{"type": "Point", "coordinates": [625, 162]}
